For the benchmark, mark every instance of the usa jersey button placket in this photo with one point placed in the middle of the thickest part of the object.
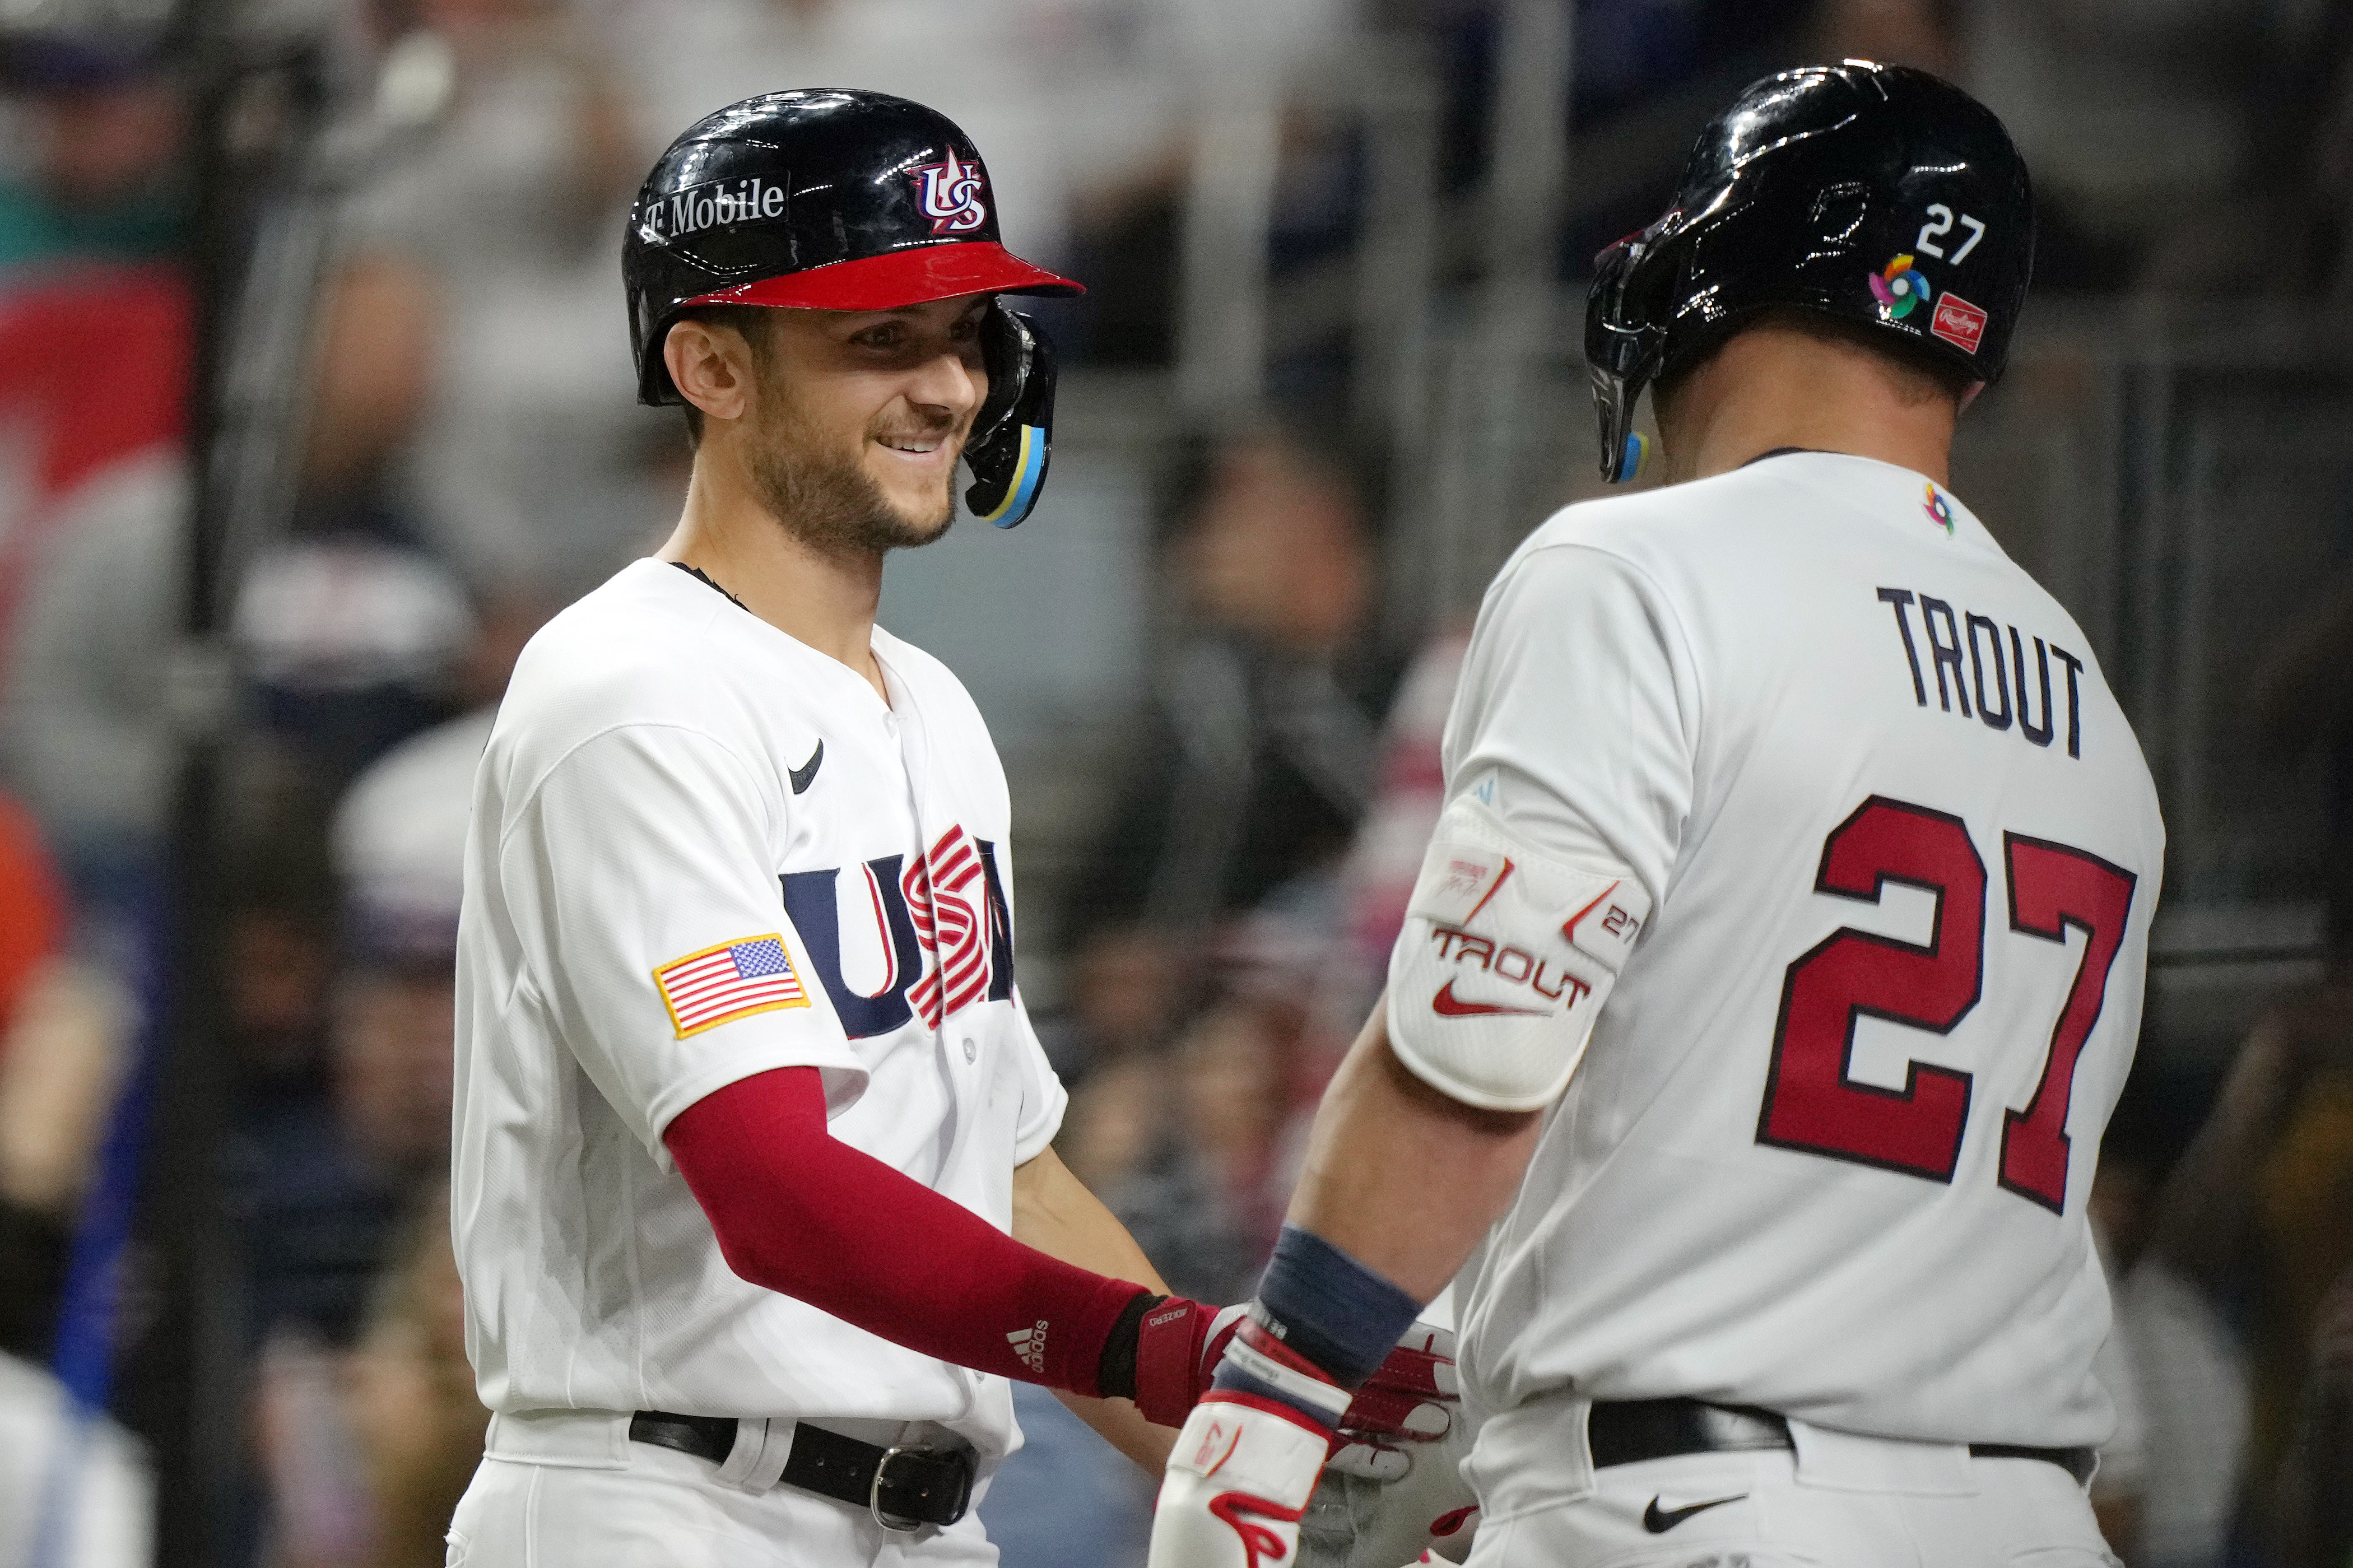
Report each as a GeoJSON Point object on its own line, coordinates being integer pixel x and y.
{"type": "Point", "coordinates": [971, 1051]}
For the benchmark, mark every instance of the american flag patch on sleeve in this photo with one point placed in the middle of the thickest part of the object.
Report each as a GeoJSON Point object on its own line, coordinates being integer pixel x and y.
{"type": "Point", "coordinates": [752, 974]}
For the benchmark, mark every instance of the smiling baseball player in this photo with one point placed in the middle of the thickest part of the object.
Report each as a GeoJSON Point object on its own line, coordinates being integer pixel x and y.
{"type": "Point", "coordinates": [1779, 955]}
{"type": "Point", "coordinates": [746, 1099]}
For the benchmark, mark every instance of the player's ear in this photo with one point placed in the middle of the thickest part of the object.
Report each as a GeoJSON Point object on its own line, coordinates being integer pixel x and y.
{"type": "Point", "coordinates": [710, 364]}
{"type": "Point", "coordinates": [1970, 396]}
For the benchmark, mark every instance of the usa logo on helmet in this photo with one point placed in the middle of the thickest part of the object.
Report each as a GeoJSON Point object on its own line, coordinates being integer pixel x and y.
{"type": "Point", "coordinates": [949, 193]}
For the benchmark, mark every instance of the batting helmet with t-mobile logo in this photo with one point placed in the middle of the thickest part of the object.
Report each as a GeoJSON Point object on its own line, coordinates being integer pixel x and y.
{"type": "Point", "coordinates": [833, 199]}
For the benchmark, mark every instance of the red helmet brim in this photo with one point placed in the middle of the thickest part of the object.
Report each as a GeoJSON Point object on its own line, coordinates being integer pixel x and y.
{"type": "Point", "coordinates": [913, 277]}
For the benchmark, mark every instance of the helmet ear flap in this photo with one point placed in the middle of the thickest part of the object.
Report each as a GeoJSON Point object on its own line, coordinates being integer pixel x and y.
{"type": "Point", "coordinates": [1624, 340]}
{"type": "Point", "coordinates": [655, 388]}
{"type": "Point", "coordinates": [1012, 436]}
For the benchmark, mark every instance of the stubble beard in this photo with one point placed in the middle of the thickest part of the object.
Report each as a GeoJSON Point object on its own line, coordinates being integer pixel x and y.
{"type": "Point", "coordinates": [824, 495]}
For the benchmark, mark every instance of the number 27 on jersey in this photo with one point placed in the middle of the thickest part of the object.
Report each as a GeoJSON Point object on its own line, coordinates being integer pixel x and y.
{"type": "Point", "coordinates": [1812, 1105]}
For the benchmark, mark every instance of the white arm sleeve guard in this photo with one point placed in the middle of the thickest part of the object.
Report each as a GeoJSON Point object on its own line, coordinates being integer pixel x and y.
{"type": "Point", "coordinates": [1504, 961]}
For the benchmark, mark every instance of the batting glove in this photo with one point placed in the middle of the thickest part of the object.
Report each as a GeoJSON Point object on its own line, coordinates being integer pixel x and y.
{"type": "Point", "coordinates": [1177, 1347]}
{"type": "Point", "coordinates": [1245, 1465]}
{"type": "Point", "coordinates": [1393, 1492]}
{"type": "Point", "coordinates": [1412, 1400]}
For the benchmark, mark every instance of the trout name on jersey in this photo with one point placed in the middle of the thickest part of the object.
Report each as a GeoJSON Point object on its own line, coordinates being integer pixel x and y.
{"type": "Point", "coordinates": [1996, 676]}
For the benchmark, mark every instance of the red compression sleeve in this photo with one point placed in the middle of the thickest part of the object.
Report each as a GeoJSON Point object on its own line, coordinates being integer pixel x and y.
{"type": "Point", "coordinates": [800, 1212]}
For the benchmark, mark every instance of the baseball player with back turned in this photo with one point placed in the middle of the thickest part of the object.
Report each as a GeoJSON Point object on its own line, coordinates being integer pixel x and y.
{"type": "Point", "coordinates": [746, 1101]}
{"type": "Point", "coordinates": [1777, 958]}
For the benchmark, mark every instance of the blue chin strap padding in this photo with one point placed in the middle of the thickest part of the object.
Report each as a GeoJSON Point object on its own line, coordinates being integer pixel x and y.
{"type": "Point", "coordinates": [1028, 477]}
{"type": "Point", "coordinates": [1637, 453]}
{"type": "Point", "coordinates": [1013, 437]}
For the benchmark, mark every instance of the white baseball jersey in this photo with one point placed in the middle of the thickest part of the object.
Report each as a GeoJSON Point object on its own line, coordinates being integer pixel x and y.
{"type": "Point", "coordinates": [1829, 1147]}
{"type": "Point", "coordinates": [701, 849]}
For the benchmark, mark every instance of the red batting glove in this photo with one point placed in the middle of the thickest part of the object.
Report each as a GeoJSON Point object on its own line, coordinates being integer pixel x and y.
{"type": "Point", "coordinates": [1412, 1397]}
{"type": "Point", "coordinates": [1177, 1348]}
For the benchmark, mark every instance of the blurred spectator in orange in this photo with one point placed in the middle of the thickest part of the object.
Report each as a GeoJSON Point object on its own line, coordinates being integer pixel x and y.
{"type": "Point", "coordinates": [1260, 760]}
{"type": "Point", "coordinates": [33, 928]}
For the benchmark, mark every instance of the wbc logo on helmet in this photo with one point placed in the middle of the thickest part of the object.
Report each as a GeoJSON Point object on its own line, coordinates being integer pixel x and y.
{"type": "Point", "coordinates": [1899, 289]}
{"type": "Point", "coordinates": [949, 193]}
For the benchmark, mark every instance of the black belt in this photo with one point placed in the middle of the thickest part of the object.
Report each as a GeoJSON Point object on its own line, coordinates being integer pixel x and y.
{"type": "Point", "coordinates": [904, 1488]}
{"type": "Point", "coordinates": [1625, 1432]}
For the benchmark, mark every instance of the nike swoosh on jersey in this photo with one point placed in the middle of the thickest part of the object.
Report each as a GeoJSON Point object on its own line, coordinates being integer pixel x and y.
{"type": "Point", "coordinates": [806, 774]}
{"type": "Point", "coordinates": [1446, 1005]}
{"type": "Point", "coordinates": [1658, 1520]}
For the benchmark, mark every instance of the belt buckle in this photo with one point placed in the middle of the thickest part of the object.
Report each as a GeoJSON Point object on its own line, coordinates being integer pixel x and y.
{"type": "Point", "coordinates": [900, 1524]}
{"type": "Point", "coordinates": [874, 1495]}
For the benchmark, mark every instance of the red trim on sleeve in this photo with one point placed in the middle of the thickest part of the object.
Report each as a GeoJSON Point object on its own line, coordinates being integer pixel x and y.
{"type": "Point", "coordinates": [800, 1212]}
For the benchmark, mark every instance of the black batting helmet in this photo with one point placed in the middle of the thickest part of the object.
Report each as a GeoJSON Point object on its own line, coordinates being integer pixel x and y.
{"type": "Point", "coordinates": [834, 199]}
{"type": "Point", "coordinates": [1878, 194]}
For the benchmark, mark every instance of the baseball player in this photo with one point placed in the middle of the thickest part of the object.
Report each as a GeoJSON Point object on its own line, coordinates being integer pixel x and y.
{"type": "Point", "coordinates": [746, 1101]}
{"type": "Point", "coordinates": [1777, 957]}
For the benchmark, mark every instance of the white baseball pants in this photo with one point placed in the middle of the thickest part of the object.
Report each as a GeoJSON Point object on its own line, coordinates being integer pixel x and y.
{"type": "Point", "coordinates": [1764, 1509]}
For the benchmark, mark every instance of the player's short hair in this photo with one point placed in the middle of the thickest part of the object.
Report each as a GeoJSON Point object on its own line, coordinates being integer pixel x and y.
{"type": "Point", "coordinates": [1922, 376]}
{"type": "Point", "coordinates": [751, 320]}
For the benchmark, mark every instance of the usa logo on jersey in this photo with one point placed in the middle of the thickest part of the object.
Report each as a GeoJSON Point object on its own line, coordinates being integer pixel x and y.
{"type": "Point", "coordinates": [942, 929]}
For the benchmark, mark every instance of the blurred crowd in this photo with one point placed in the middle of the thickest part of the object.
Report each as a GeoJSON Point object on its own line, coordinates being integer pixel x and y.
{"type": "Point", "coordinates": [468, 458]}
